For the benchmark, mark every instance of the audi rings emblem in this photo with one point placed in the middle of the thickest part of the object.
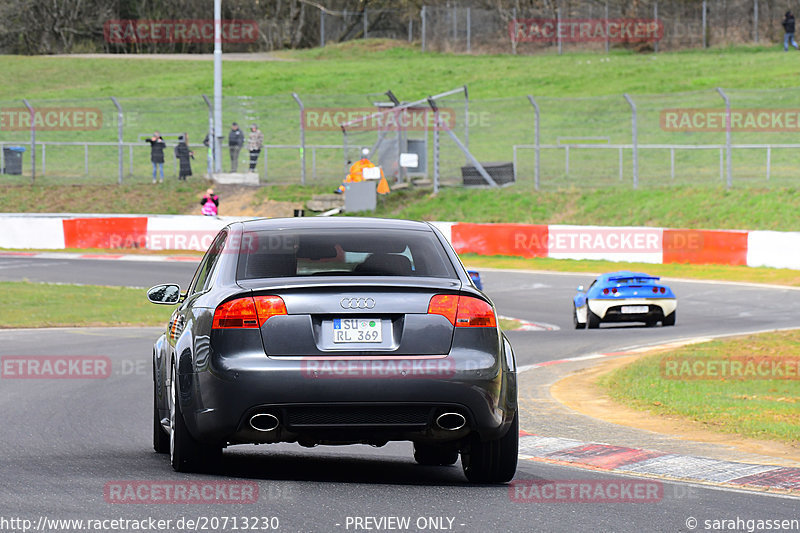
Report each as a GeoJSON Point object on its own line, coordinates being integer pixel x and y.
{"type": "Point", "coordinates": [357, 303]}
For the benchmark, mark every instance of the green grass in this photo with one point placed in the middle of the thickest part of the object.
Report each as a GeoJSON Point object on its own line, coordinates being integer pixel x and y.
{"type": "Point", "coordinates": [777, 276]}
{"type": "Point", "coordinates": [170, 197]}
{"type": "Point", "coordinates": [757, 408]}
{"type": "Point", "coordinates": [377, 65]}
{"type": "Point", "coordinates": [679, 207]}
{"type": "Point", "coordinates": [38, 305]}
{"type": "Point", "coordinates": [166, 95]}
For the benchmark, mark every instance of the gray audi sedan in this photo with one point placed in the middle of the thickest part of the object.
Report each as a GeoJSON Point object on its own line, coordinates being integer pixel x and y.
{"type": "Point", "coordinates": [335, 331]}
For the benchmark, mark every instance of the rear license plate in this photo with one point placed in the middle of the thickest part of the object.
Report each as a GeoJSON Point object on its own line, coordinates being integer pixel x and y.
{"type": "Point", "coordinates": [635, 309]}
{"type": "Point", "coordinates": [356, 330]}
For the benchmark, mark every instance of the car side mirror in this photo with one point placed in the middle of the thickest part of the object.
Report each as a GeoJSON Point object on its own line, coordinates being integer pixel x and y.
{"type": "Point", "coordinates": [167, 294]}
{"type": "Point", "coordinates": [580, 288]}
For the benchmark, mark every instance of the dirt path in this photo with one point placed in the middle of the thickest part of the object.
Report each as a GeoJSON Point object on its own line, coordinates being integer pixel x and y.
{"type": "Point", "coordinates": [237, 200]}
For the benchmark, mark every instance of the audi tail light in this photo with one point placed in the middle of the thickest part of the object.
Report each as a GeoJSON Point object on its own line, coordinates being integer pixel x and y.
{"type": "Point", "coordinates": [463, 311]}
{"type": "Point", "coordinates": [248, 312]}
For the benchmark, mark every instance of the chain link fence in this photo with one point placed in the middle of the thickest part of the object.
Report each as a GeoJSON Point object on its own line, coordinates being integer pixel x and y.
{"type": "Point", "coordinates": [605, 141]}
{"type": "Point", "coordinates": [556, 25]}
{"type": "Point", "coordinates": [566, 26]}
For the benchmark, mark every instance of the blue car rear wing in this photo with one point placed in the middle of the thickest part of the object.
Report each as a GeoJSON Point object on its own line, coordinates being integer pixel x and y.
{"type": "Point", "coordinates": [625, 278]}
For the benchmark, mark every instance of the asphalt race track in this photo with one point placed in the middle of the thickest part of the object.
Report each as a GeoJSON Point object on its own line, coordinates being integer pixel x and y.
{"type": "Point", "coordinates": [66, 443]}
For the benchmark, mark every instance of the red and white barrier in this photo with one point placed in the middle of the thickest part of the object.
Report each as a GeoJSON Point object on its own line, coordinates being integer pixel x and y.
{"type": "Point", "coordinates": [630, 244]}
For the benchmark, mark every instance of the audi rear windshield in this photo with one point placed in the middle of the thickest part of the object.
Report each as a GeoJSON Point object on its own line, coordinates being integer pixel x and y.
{"type": "Point", "coordinates": [358, 252]}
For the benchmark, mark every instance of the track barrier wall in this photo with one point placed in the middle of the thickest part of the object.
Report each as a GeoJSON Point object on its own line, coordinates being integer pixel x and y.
{"type": "Point", "coordinates": [631, 244]}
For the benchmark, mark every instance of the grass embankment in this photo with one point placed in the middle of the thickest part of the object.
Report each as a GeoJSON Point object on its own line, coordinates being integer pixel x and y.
{"type": "Point", "coordinates": [680, 207]}
{"type": "Point", "coordinates": [355, 74]}
{"type": "Point", "coordinates": [747, 405]}
{"type": "Point", "coordinates": [170, 198]}
{"type": "Point", "coordinates": [361, 67]}
{"type": "Point", "coordinates": [49, 305]}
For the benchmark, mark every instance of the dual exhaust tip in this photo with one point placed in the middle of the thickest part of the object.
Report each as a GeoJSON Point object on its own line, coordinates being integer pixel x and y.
{"type": "Point", "coordinates": [449, 421]}
{"type": "Point", "coordinates": [264, 422]}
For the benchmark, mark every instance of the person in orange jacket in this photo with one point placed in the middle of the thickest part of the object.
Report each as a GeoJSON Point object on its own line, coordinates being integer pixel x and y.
{"type": "Point", "coordinates": [356, 174]}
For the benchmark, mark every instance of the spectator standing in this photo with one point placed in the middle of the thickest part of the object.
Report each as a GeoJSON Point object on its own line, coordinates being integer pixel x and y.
{"type": "Point", "coordinates": [788, 27]}
{"type": "Point", "coordinates": [184, 156]}
{"type": "Point", "coordinates": [254, 143]}
{"type": "Point", "coordinates": [235, 142]}
{"type": "Point", "coordinates": [157, 146]}
{"type": "Point", "coordinates": [210, 204]}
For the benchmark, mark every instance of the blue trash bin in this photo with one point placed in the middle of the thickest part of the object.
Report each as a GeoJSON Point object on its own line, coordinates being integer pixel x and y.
{"type": "Point", "coordinates": [12, 158]}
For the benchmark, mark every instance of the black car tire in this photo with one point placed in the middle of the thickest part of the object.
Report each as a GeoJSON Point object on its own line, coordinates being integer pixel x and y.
{"type": "Point", "coordinates": [493, 461]}
{"type": "Point", "coordinates": [669, 320]}
{"type": "Point", "coordinates": [592, 320]}
{"type": "Point", "coordinates": [578, 325]}
{"type": "Point", "coordinates": [160, 437]}
{"type": "Point", "coordinates": [431, 455]}
{"type": "Point", "coordinates": [186, 453]}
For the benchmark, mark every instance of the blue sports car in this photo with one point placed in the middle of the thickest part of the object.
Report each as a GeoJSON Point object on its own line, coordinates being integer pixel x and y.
{"type": "Point", "coordinates": [624, 296]}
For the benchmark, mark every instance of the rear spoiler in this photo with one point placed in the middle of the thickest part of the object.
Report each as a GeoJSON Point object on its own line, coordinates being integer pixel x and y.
{"type": "Point", "coordinates": [621, 278]}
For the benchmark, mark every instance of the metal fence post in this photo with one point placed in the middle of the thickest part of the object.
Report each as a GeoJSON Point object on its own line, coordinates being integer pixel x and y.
{"type": "Point", "coordinates": [672, 163]}
{"type": "Point", "coordinates": [422, 15]}
{"type": "Point", "coordinates": [536, 141]}
{"type": "Point", "coordinates": [469, 30]}
{"type": "Point", "coordinates": [33, 139]}
{"type": "Point", "coordinates": [655, 18]}
{"type": "Point", "coordinates": [514, 36]}
{"type": "Point", "coordinates": [769, 160]}
{"type": "Point", "coordinates": [436, 128]}
{"type": "Point", "coordinates": [705, 26]}
{"type": "Point", "coordinates": [211, 155]}
{"type": "Point", "coordinates": [606, 28]}
{"type": "Point", "coordinates": [44, 159]}
{"type": "Point", "coordinates": [466, 117]}
{"type": "Point", "coordinates": [322, 28]}
{"type": "Point", "coordinates": [755, 20]}
{"type": "Point", "coordinates": [302, 138]}
{"type": "Point", "coordinates": [635, 139]}
{"type": "Point", "coordinates": [558, 29]}
{"type": "Point", "coordinates": [366, 22]}
{"type": "Point", "coordinates": [120, 163]}
{"type": "Point", "coordinates": [728, 148]}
